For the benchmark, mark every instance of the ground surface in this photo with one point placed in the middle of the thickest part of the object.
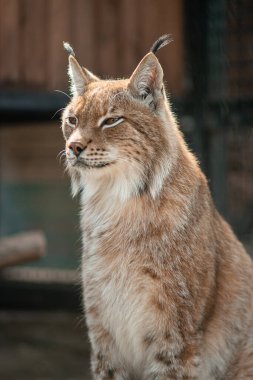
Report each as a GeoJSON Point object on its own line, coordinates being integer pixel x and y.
{"type": "Point", "coordinates": [43, 346]}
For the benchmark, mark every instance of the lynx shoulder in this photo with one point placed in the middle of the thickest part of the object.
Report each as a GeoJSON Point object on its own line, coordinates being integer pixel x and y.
{"type": "Point", "coordinates": [167, 286]}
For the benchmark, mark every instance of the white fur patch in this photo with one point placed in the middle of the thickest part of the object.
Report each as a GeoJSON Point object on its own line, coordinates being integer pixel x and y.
{"type": "Point", "coordinates": [77, 79]}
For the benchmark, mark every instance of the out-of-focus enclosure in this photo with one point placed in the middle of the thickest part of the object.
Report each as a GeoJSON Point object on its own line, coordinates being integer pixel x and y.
{"type": "Point", "coordinates": [209, 78]}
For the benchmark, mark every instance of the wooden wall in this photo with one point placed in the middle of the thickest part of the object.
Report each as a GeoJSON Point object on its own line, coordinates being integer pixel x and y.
{"type": "Point", "coordinates": [109, 37]}
{"type": "Point", "coordinates": [29, 152]}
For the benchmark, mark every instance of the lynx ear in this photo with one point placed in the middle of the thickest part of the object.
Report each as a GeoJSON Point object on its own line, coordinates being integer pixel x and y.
{"type": "Point", "coordinates": [146, 81]}
{"type": "Point", "coordinates": [79, 77]}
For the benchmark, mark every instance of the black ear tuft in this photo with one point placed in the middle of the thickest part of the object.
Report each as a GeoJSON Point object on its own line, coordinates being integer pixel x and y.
{"type": "Point", "coordinates": [68, 48]}
{"type": "Point", "coordinates": [161, 42]}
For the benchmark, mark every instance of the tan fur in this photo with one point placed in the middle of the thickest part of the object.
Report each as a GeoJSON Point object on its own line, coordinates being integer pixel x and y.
{"type": "Point", "coordinates": [167, 285]}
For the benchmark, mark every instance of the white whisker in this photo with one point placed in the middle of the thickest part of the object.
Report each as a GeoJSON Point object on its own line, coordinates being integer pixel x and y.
{"type": "Point", "coordinates": [62, 151]}
{"type": "Point", "coordinates": [64, 93]}
{"type": "Point", "coordinates": [57, 112]}
{"type": "Point", "coordinates": [61, 155]}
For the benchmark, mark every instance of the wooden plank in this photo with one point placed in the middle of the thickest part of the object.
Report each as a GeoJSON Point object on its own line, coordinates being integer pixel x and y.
{"type": "Point", "coordinates": [32, 40]}
{"type": "Point", "coordinates": [83, 34]}
{"type": "Point", "coordinates": [148, 13]}
{"type": "Point", "coordinates": [9, 44]}
{"type": "Point", "coordinates": [164, 17]}
{"type": "Point", "coordinates": [128, 27]}
{"type": "Point", "coordinates": [172, 58]}
{"type": "Point", "coordinates": [106, 55]}
{"type": "Point", "coordinates": [59, 30]}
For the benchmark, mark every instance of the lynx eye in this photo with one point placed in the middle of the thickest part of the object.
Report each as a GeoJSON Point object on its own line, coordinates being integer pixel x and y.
{"type": "Point", "coordinates": [72, 121]}
{"type": "Point", "coordinates": [112, 122]}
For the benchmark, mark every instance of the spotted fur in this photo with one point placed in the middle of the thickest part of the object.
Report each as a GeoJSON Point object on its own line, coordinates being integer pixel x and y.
{"type": "Point", "coordinates": [167, 286]}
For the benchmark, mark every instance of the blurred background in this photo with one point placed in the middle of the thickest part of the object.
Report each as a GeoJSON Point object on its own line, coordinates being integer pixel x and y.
{"type": "Point", "coordinates": [209, 76]}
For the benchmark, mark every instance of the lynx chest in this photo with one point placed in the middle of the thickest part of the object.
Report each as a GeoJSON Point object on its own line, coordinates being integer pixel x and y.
{"type": "Point", "coordinates": [129, 304]}
{"type": "Point", "coordinates": [113, 285]}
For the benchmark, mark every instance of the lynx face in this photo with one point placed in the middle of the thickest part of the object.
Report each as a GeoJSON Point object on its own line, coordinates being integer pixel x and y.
{"type": "Point", "coordinates": [115, 130]}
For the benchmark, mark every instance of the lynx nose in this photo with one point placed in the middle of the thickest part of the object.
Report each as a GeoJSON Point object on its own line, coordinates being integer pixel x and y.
{"type": "Point", "coordinates": [76, 147]}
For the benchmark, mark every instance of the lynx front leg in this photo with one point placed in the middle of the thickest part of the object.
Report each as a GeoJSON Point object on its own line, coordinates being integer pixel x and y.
{"type": "Point", "coordinates": [165, 364]}
{"type": "Point", "coordinates": [170, 372]}
{"type": "Point", "coordinates": [103, 369]}
{"type": "Point", "coordinates": [105, 364]}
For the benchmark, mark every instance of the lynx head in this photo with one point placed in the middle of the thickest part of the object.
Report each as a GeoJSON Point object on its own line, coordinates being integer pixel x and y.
{"type": "Point", "coordinates": [120, 134]}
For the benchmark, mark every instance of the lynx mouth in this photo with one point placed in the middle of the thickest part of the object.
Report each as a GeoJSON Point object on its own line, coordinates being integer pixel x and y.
{"type": "Point", "coordinates": [98, 165]}
{"type": "Point", "coordinates": [83, 164]}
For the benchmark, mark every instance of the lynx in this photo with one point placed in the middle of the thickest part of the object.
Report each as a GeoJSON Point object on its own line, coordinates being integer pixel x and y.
{"type": "Point", "coordinates": [167, 287]}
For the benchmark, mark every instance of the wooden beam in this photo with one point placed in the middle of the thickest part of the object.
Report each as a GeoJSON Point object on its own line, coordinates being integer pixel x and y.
{"type": "Point", "coordinates": [18, 249]}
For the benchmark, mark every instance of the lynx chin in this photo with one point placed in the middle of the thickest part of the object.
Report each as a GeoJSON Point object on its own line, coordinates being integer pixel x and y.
{"type": "Point", "coordinates": [167, 287]}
